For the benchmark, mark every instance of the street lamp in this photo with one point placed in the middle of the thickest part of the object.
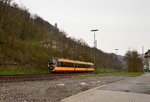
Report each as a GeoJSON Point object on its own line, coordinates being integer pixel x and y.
{"type": "Point", "coordinates": [94, 30]}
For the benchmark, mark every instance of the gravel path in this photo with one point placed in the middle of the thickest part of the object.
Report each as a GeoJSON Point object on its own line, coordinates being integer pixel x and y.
{"type": "Point", "coordinates": [51, 90]}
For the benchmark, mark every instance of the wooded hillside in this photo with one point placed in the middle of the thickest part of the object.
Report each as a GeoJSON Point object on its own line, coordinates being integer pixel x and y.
{"type": "Point", "coordinates": [27, 42]}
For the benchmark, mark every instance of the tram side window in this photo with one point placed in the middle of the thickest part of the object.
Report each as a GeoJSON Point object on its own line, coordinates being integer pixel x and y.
{"type": "Point", "coordinates": [64, 64]}
{"type": "Point", "coordinates": [80, 66]}
{"type": "Point", "coordinates": [76, 65]}
{"type": "Point", "coordinates": [84, 65]}
{"type": "Point", "coordinates": [59, 64]}
{"type": "Point", "coordinates": [90, 66]}
{"type": "Point", "coordinates": [69, 65]}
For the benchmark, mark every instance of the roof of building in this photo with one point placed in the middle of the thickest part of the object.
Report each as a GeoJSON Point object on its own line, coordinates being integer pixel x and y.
{"type": "Point", "coordinates": [148, 51]}
{"type": "Point", "coordinates": [147, 54]}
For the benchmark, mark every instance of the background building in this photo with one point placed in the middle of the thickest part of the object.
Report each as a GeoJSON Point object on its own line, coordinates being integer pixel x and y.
{"type": "Point", "coordinates": [147, 59]}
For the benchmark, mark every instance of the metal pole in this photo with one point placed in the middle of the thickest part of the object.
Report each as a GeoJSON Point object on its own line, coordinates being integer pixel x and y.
{"type": "Point", "coordinates": [94, 48]}
{"type": "Point", "coordinates": [94, 51]}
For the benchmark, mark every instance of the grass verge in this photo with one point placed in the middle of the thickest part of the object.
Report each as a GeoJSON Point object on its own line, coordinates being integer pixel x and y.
{"type": "Point", "coordinates": [20, 72]}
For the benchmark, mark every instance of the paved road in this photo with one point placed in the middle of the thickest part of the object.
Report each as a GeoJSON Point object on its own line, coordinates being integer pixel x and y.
{"type": "Point", "coordinates": [136, 89]}
{"type": "Point", "coordinates": [134, 85]}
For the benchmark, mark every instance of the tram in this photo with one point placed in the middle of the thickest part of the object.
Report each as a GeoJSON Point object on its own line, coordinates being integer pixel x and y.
{"type": "Point", "coordinates": [67, 65]}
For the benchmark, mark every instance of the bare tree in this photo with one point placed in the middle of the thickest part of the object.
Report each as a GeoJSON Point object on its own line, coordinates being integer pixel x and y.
{"type": "Point", "coordinates": [3, 11]}
{"type": "Point", "coordinates": [134, 61]}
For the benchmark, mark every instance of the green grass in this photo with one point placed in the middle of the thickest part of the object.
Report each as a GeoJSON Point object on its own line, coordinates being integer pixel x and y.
{"type": "Point", "coordinates": [129, 74]}
{"type": "Point", "coordinates": [18, 72]}
{"type": "Point", "coordinates": [104, 70]}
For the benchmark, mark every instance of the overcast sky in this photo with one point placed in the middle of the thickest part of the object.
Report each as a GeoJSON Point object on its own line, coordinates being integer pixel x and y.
{"type": "Point", "coordinates": [122, 24]}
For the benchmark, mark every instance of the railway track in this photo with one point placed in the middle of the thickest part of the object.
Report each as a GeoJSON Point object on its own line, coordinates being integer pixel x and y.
{"type": "Point", "coordinates": [34, 77]}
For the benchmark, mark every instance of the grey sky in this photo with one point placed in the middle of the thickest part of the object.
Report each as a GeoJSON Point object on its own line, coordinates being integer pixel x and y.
{"type": "Point", "coordinates": [122, 24]}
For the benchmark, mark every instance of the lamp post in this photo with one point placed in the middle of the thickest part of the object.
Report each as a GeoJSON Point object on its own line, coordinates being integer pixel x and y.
{"type": "Point", "coordinates": [94, 30]}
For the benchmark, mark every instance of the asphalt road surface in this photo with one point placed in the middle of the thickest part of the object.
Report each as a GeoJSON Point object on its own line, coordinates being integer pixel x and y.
{"type": "Point", "coordinates": [139, 84]}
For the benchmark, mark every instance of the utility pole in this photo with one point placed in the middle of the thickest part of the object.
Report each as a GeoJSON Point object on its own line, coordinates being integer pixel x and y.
{"type": "Point", "coordinates": [95, 44]}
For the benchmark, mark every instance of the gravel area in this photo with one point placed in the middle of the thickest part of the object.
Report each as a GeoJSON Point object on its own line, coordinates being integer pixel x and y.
{"type": "Point", "coordinates": [51, 90]}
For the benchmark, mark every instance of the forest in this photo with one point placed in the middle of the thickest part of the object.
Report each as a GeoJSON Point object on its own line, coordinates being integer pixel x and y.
{"type": "Point", "coordinates": [27, 42]}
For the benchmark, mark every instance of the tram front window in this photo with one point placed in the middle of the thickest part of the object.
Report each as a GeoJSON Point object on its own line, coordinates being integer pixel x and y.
{"type": "Point", "coordinates": [51, 65]}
